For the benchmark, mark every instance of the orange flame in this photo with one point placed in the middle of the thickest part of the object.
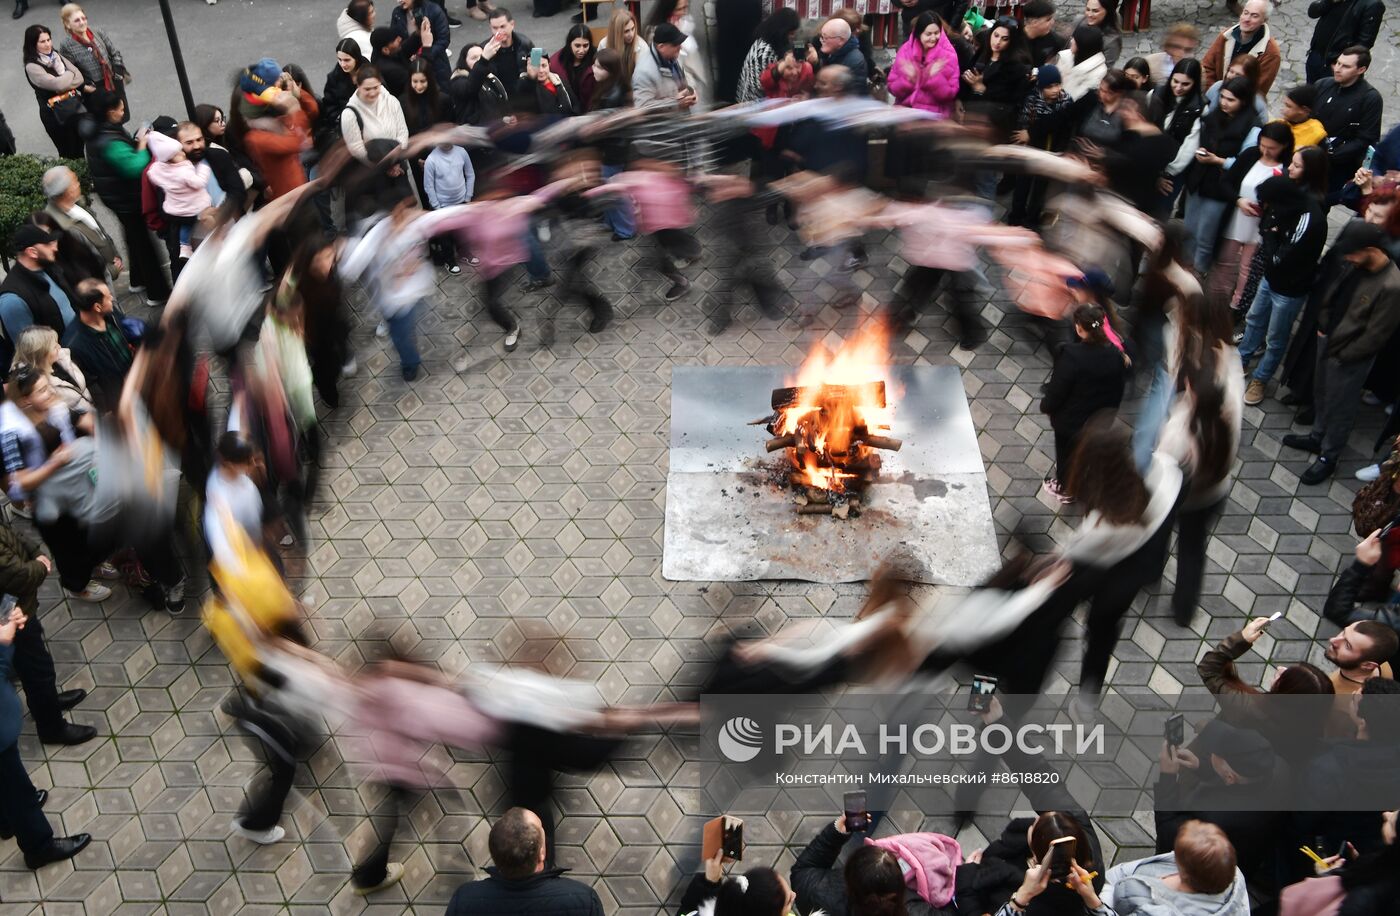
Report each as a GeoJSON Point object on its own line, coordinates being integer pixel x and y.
{"type": "Point", "coordinates": [836, 400]}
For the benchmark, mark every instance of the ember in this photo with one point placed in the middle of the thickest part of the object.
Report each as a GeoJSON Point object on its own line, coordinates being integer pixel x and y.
{"type": "Point", "coordinates": [831, 423]}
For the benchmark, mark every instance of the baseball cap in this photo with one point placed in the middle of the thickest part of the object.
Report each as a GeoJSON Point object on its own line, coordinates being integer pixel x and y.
{"type": "Point", "coordinates": [27, 236]}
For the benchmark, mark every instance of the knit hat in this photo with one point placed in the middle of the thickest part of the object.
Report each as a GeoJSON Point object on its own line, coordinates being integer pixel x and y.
{"type": "Point", "coordinates": [260, 80]}
{"type": "Point", "coordinates": [162, 147]}
{"type": "Point", "coordinates": [1048, 75]}
{"type": "Point", "coordinates": [1246, 751]}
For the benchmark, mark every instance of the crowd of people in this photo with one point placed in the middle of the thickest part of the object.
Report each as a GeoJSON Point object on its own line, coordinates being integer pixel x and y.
{"type": "Point", "coordinates": [1164, 219]}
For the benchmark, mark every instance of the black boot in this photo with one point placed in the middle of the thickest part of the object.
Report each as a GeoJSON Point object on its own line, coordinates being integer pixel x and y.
{"type": "Point", "coordinates": [21, 7]}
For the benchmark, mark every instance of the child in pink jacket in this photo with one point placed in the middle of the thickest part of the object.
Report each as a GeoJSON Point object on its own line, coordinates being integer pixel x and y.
{"type": "Point", "coordinates": [185, 185]}
{"type": "Point", "coordinates": [924, 74]}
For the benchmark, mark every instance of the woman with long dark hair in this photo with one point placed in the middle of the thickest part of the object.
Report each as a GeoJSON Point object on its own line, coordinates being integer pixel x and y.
{"type": "Point", "coordinates": [1089, 376]}
{"type": "Point", "coordinates": [1015, 867]}
{"type": "Point", "coordinates": [772, 41]}
{"type": "Point", "coordinates": [1176, 107]}
{"type": "Point", "coordinates": [999, 77]}
{"type": "Point", "coordinates": [573, 63]}
{"type": "Point", "coordinates": [423, 105]}
{"type": "Point", "coordinates": [762, 892]}
{"type": "Point", "coordinates": [478, 95]}
{"type": "Point", "coordinates": [340, 86]}
{"type": "Point", "coordinates": [1225, 131]}
{"type": "Point", "coordinates": [1103, 15]}
{"type": "Point", "coordinates": [59, 88]}
{"type": "Point", "coordinates": [1082, 65]}
{"type": "Point", "coordinates": [1240, 232]}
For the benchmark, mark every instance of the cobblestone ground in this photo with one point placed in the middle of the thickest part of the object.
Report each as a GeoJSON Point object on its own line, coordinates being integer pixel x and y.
{"type": "Point", "coordinates": [514, 513]}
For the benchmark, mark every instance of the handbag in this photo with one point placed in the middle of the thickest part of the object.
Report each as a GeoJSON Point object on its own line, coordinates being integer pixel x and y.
{"type": "Point", "coordinates": [66, 108]}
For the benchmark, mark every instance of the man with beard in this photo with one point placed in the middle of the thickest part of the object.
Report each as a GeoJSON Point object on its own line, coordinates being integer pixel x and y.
{"type": "Point", "coordinates": [220, 162]}
{"type": "Point", "coordinates": [32, 292]}
{"type": "Point", "coordinates": [1361, 651]}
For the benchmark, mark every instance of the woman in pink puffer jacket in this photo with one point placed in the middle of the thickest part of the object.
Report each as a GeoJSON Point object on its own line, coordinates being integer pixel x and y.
{"type": "Point", "coordinates": [925, 71]}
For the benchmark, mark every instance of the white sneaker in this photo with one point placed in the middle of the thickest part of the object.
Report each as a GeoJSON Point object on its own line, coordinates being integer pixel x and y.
{"type": "Point", "coordinates": [393, 874]}
{"type": "Point", "coordinates": [94, 593]}
{"type": "Point", "coordinates": [261, 837]}
{"type": "Point", "coordinates": [382, 329]}
{"type": "Point", "coordinates": [1369, 473]}
{"type": "Point", "coordinates": [350, 368]}
{"type": "Point", "coordinates": [461, 363]}
{"type": "Point", "coordinates": [512, 338]}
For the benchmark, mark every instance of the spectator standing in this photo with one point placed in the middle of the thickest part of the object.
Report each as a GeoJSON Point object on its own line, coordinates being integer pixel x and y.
{"type": "Point", "coordinates": [63, 190]}
{"type": "Point", "coordinates": [59, 87]}
{"type": "Point", "coordinates": [1341, 24]}
{"type": "Point", "coordinates": [340, 85]}
{"type": "Point", "coordinates": [93, 53]}
{"type": "Point", "coordinates": [115, 162]}
{"type": "Point", "coordinates": [1176, 108]}
{"type": "Point", "coordinates": [838, 47]}
{"type": "Point", "coordinates": [388, 58]}
{"type": "Point", "coordinates": [573, 63]}
{"type": "Point", "coordinates": [355, 23]}
{"type": "Point", "coordinates": [1240, 236]}
{"type": "Point", "coordinates": [1081, 65]}
{"type": "Point", "coordinates": [1225, 132]}
{"type": "Point", "coordinates": [184, 188]}
{"type": "Point", "coordinates": [508, 52]}
{"type": "Point", "coordinates": [448, 180]}
{"type": "Point", "coordinates": [277, 148]}
{"type": "Point", "coordinates": [21, 805]}
{"type": "Point", "coordinates": [39, 347]}
{"type": "Point", "coordinates": [924, 74]}
{"type": "Point", "coordinates": [1180, 42]}
{"type": "Point", "coordinates": [1350, 108]}
{"type": "Point", "coordinates": [373, 127]}
{"type": "Point", "coordinates": [479, 98]}
{"type": "Point", "coordinates": [622, 37]}
{"type": "Point", "coordinates": [1297, 113]}
{"type": "Point", "coordinates": [1359, 314]}
{"type": "Point", "coordinates": [98, 345]}
{"type": "Point", "coordinates": [1038, 22]}
{"type": "Point", "coordinates": [658, 76]}
{"type": "Point", "coordinates": [1199, 875]}
{"type": "Point", "coordinates": [32, 292]}
{"type": "Point", "coordinates": [1292, 231]}
{"type": "Point", "coordinates": [423, 27]}
{"type": "Point", "coordinates": [871, 880]}
{"type": "Point", "coordinates": [1252, 36]}
{"type": "Point", "coordinates": [519, 880]}
{"type": "Point", "coordinates": [773, 41]}
{"type": "Point", "coordinates": [1103, 15]}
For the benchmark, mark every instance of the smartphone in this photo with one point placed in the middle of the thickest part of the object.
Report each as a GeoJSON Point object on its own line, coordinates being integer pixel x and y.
{"type": "Point", "coordinates": [1380, 535]}
{"type": "Point", "coordinates": [1272, 617]}
{"type": "Point", "coordinates": [1061, 856]}
{"type": "Point", "coordinates": [1175, 731]}
{"type": "Point", "coordinates": [723, 833]}
{"type": "Point", "coordinates": [536, 57]}
{"type": "Point", "coordinates": [7, 604]}
{"type": "Point", "coordinates": [983, 688]}
{"type": "Point", "coordinates": [857, 817]}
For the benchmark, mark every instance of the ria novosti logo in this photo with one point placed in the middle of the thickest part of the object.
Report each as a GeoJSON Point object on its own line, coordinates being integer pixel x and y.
{"type": "Point", "coordinates": [741, 739]}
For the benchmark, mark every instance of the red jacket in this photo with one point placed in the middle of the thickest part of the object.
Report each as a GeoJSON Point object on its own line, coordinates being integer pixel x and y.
{"type": "Point", "coordinates": [278, 155]}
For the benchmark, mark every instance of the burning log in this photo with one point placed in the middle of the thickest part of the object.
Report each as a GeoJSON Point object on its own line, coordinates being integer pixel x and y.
{"type": "Point", "coordinates": [781, 442]}
{"type": "Point", "coordinates": [815, 509]}
{"type": "Point", "coordinates": [885, 442]}
{"type": "Point", "coordinates": [870, 393]}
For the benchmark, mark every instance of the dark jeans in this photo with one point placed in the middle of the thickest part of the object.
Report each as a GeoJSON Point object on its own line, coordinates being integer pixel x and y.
{"type": "Point", "coordinates": [921, 285]}
{"type": "Point", "coordinates": [1336, 399]}
{"type": "Point", "coordinates": [20, 813]}
{"type": "Point", "coordinates": [536, 754]}
{"type": "Point", "coordinates": [491, 290]}
{"type": "Point", "coordinates": [1066, 437]}
{"type": "Point", "coordinates": [280, 740]}
{"type": "Point", "coordinates": [1193, 527]}
{"type": "Point", "coordinates": [672, 244]}
{"type": "Point", "coordinates": [375, 867]}
{"type": "Point", "coordinates": [142, 260]}
{"type": "Point", "coordinates": [72, 555]}
{"type": "Point", "coordinates": [34, 667]}
{"type": "Point", "coordinates": [577, 285]}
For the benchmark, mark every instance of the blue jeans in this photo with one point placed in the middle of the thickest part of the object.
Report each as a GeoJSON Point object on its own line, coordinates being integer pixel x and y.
{"type": "Point", "coordinates": [619, 217]}
{"type": "Point", "coordinates": [538, 265]}
{"type": "Point", "coordinates": [1268, 325]}
{"type": "Point", "coordinates": [401, 333]}
{"type": "Point", "coordinates": [1156, 405]}
{"type": "Point", "coordinates": [1202, 222]}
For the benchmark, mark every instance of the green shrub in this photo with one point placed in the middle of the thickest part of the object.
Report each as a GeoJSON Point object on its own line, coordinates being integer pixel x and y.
{"type": "Point", "coordinates": [22, 189]}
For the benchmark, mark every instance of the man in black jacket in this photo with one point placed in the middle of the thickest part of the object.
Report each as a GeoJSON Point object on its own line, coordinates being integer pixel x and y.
{"type": "Point", "coordinates": [1340, 24]}
{"type": "Point", "coordinates": [507, 50]}
{"type": "Point", "coordinates": [33, 291]}
{"type": "Point", "coordinates": [840, 48]}
{"type": "Point", "coordinates": [1346, 602]}
{"type": "Point", "coordinates": [519, 882]}
{"type": "Point", "coordinates": [389, 59]}
{"type": "Point", "coordinates": [1359, 313]}
{"type": "Point", "coordinates": [1350, 108]}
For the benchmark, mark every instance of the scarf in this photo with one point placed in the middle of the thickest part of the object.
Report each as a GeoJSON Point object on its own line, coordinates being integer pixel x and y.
{"type": "Point", "coordinates": [53, 63]}
{"type": "Point", "coordinates": [89, 41]}
{"type": "Point", "coordinates": [672, 67]}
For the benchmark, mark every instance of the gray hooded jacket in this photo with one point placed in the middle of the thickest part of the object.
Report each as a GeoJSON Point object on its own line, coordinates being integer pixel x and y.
{"type": "Point", "coordinates": [1137, 888]}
